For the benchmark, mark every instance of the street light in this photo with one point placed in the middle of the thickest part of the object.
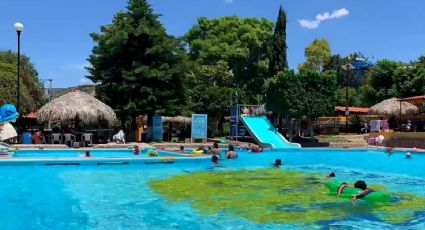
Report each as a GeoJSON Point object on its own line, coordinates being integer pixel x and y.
{"type": "Point", "coordinates": [347, 67]}
{"type": "Point", "coordinates": [19, 28]}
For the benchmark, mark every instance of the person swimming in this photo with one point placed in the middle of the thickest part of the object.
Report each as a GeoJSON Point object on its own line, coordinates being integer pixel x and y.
{"type": "Point", "coordinates": [181, 148]}
{"type": "Point", "coordinates": [330, 175]}
{"type": "Point", "coordinates": [136, 150]}
{"type": "Point", "coordinates": [277, 163]}
{"type": "Point", "coordinates": [231, 154]}
{"type": "Point", "coordinates": [214, 160]}
{"type": "Point", "coordinates": [215, 150]}
{"type": "Point", "coordinates": [365, 191]}
{"type": "Point", "coordinates": [408, 155]}
{"type": "Point", "coordinates": [256, 149]}
{"type": "Point", "coordinates": [88, 153]}
{"type": "Point", "coordinates": [358, 184]}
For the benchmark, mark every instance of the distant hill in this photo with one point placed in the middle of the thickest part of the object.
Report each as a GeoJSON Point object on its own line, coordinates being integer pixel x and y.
{"type": "Point", "coordinates": [57, 92]}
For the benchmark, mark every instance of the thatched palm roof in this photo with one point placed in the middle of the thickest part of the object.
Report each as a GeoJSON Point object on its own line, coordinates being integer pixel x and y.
{"type": "Point", "coordinates": [75, 104]}
{"type": "Point", "coordinates": [391, 107]}
{"type": "Point", "coordinates": [178, 120]}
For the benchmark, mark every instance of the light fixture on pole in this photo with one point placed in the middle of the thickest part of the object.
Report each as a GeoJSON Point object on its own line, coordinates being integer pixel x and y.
{"type": "Point", "coordinates": [19, 28]}
{"type": "Point", "coordinates": [347, 67]}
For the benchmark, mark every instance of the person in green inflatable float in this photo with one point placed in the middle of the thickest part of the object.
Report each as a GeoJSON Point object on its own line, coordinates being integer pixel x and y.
{"type": "Point", "coordinates": [360, 185]}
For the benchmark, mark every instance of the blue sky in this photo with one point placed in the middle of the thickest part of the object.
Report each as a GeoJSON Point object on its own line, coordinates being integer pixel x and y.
{"type": "Point", "coordinates": [56, 34]}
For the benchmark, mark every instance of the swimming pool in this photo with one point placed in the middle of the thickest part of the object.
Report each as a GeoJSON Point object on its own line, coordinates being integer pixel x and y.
{"type": "Point", "coordinates": [122, 196]}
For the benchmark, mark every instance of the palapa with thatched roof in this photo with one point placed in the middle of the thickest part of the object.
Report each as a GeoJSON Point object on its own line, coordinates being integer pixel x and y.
{"type": "Point", "coordinates": [178, 120]}
{"type": "Point", "coordinates": [391, 107]}
{"type": "Point", "coordinates": [77, 105]}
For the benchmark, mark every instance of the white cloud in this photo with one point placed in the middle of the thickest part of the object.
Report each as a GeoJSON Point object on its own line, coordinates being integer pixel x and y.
{"type": "Point", "coordinates": [313, 24]}
{"type": "Point", "coordinates": [79, 66]}
{"type": "Point", "coordinates": [228, 1]}
{"type": "Point", "coordinates": [85, 81]}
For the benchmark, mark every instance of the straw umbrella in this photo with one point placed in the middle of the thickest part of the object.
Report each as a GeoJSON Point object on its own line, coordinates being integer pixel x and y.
{"type": "Point", "coordinates": [7, 131]}
{"type": "Point", "coordinates": [393, 107]}
{"type": "Point", "coordinates": [77, 105]}
{"type": "Point", "coordinates": [178, 120]}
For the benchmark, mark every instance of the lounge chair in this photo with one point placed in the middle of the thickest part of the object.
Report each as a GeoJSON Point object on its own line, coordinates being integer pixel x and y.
{"type": "Point", "coordinates": [56, 138]}
{"type": "Point", "coordinates": [69, 138]}
{"type": "Point", "coordinates": [87, 139]}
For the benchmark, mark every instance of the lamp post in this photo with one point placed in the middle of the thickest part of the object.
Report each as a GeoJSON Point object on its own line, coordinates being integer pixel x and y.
{"type": "Point", "coordinates": [347, 67]}
{"type": "Point", "coordinates": [19, 28]}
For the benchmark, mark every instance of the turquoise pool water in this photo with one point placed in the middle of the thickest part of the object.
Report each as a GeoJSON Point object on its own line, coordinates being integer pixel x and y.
{"type": "Point", "coordinates": [119, 197]}
{"type": "Point", "coordinates": [50, 153]}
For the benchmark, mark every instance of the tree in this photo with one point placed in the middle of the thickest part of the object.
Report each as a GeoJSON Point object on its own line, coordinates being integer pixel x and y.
{"type": "Point", "coordinates": [319, 96]}
{"type": "Point", "coordinates": [31, 89]}
{"type": "Point", "coordinates": [278, 57]}
{"type": "Point", "coordinates": [138, 67]}
{"type": "Point", "coordinates": [212, 90]}
{"type": "Point", "coordinates": [317, 53]}
{"type": "Point", "coordinates": [281, 91]}
{"type": "Point", "coordinates": [242, 43]}
{"type": "Point", "coordinates": [409, 80]}
{"type": "Point", "coordinates": [381, 79]}
{"type": "Point", "coordinates": [309, 93]}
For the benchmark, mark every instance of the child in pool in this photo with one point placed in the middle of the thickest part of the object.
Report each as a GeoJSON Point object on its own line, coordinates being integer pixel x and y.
{"type": "Point", "coordinates": [277, 163]}
{"type": "Point", "coordinates": [330, 175]}
{"type": "Point", "coordinates": [215, 163]}
{"type": "Point", "coordinates": [136, 150]}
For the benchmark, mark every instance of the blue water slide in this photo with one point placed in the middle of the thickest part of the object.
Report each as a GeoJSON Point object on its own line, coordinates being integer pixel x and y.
{"type": "Point", "coordinates": [265, 134]}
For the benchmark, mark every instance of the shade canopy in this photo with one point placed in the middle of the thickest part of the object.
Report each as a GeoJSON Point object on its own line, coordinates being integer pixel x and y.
{"type": "Point", "coordinates": [178, 120]}
{"type": "Point", "coordinates": [7, 131]}
{"type": "Point", "coordinates": [391, 107]}
{"type": "Point", "coordinates": [77, 105]}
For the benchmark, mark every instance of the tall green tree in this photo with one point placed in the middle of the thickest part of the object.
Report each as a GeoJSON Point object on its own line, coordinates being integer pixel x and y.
{"type": "Point", "coordinates": [318, 53]}
{"type": "Point", "coordinates": [138, 67]}
{"type": "Point", "coordinates": [31, 89]}
{"type": "Point", "coordinates": [212, 88]}
{"type": "Point", "coordinates": [242, 43]}
{"type": "Point", "coordinates": [320, 94]}
{"type": "Point", "coordinates": [409, 80]}
{"type": "Point", "coordinates": [278, 57]}
{"type": "Point", "coordinates": [382, 79]}
{"type": "Point", "coordinates": [310, 93]}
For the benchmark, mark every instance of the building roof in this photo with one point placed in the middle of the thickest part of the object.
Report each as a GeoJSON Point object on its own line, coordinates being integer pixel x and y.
{"type": "Point", "coordinates": [353, 110]}
{"type": "Point", "coordinates": [422, 97]}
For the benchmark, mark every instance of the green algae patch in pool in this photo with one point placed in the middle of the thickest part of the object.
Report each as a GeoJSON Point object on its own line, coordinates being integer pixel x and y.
{"type": "Point", "coordinates": [277, 196]}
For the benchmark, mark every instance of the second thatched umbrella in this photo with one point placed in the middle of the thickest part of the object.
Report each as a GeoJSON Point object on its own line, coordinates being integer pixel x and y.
{"type": "Point", "coordinates": [77, 105]}
{"type": "Point", "coordinates": [391, 107]}
{"type": "Point", "coordinates": [178, 120]}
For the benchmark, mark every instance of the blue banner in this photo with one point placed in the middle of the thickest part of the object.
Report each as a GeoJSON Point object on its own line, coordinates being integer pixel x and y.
{"type": "Point", "coordinates": [199, 126]}
{"type": "Point", "coordinates": [157, 128]}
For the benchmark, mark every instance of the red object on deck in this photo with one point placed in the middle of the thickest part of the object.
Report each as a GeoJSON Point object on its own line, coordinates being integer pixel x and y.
{"type": "Point", "coordinates": [32, 115]}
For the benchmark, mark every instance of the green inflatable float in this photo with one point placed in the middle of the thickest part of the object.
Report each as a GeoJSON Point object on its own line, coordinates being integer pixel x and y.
{"type": "Point", "coordinates": [348, 192]}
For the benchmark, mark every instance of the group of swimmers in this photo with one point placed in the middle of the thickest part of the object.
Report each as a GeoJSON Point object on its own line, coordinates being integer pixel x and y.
{"type": "Point", "coordinates": [408, 155]}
